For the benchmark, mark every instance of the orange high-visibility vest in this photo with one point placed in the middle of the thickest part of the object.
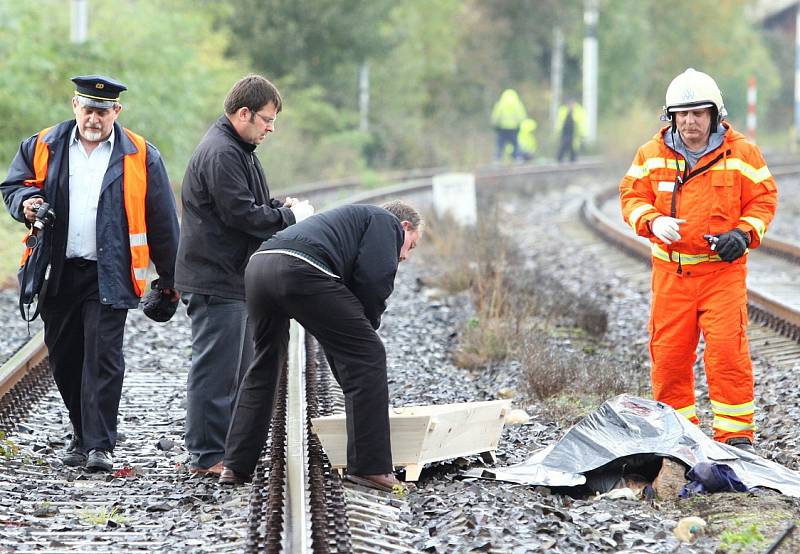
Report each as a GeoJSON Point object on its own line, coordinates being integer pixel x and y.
{"type": "Point", "coordinates": [134, 186]}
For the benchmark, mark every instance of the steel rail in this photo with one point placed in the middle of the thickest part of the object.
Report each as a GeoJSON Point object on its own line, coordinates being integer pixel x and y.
{"type": "Point", "coordinates": [345, 183]}
{"type": "Point", "coordinates": [17, 366]}
{"type": "Point", "coordinates": [297, 524]}
{"type": "Point", "coordinates": [296, 534]}
{"type": "Point", "coordinates": [25, 359]}
{"type": "Point", "coordinates": [405, 182]}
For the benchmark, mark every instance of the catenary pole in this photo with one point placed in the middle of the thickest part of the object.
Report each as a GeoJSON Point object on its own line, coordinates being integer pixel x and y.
{"type": "Point", "coordinates": [797, 75]}
{"type": "Point", "coordinates": [363, 98]}
{"type": "Point", "coordinates": [79, 21]}
{"type": "Point", "coordinates": [590, 68]}
{"type": "Point", "coordinates": [752, 95]}
{"type": "Point", "coordinates": [556, 73]}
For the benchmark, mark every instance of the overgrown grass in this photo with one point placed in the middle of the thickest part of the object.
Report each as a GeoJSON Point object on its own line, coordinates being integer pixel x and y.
{"type": "Point", "coordinates": [743, 523]}
{"type": "Point", "coordinates": [481, 261]}
{"type": "Point", "coordinates": [528, 315]}
{"type": "Point", "coordinates": [101, 516]}
{"type": "Point", "coordinates": [742, 539]}
{"type": "Point", "coordinates": [570, 375]}
{"type": "Point", "coordinates": [8, 449]}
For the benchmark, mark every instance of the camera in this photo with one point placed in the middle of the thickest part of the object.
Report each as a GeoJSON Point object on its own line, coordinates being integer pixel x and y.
{"type": "Point", "coordinates": [45, 216]}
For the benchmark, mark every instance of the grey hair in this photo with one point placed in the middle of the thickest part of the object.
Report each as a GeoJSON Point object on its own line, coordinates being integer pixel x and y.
{"type": "Point", "coordinates": [404, 212]}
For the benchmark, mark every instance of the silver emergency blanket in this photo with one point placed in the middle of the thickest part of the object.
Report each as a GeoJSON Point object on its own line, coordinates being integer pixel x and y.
{"type": "Point", "coordinates": [626, 426]}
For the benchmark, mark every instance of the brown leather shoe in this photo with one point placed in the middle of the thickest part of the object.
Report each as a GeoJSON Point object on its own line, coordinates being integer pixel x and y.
{"type": "Point", "coordinates": [230, 477]}
{"type": "Point", "coordinates": [383, 482]}
{"type": "Point", "coordinates": [216, 469]}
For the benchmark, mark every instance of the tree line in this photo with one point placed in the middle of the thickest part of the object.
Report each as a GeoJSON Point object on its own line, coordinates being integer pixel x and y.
{"type": "Point", "coordinates": [435, 69]}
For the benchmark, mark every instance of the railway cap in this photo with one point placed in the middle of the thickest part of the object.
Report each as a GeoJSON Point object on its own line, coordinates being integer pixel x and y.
{"type": "Point", "coordinates": [158, 306]}
{"type": "Point", "coordinates": [97, 91]}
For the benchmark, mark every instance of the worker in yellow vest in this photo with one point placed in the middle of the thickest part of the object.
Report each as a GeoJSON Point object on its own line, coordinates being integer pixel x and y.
{"type": "Point", "coordinates": [100, 207]}
{"type": "Point", "coordinates": [507, 115]}
{"type": "Point", "coordinates": [571, 123]}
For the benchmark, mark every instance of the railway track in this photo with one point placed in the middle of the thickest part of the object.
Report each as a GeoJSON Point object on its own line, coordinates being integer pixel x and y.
{"type": "Point", "coordinates": [63, 517]}
{"type": "Point", "coordinates": [292, 506]}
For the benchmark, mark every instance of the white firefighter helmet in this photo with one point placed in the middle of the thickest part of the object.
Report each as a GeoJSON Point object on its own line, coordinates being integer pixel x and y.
{"type": "Point", "coordinates": [692, 90]}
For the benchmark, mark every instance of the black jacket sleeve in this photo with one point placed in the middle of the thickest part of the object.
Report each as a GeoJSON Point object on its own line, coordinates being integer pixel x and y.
{"type": "Point", "coordinates": [162, 219]}
{"type": "Point", "coordinates": [14, 189]}
{"type": "Point", "coordinates": [228, 185]}
{"type": "Point", "coordinates": [376, 265]}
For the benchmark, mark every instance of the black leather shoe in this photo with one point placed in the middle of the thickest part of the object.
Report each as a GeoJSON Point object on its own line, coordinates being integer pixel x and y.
{"type": "Point", "coordinates": [230, 477]}
{"type": "Point", "coordinates": [75, 455]}
{"type": "Point", "coordinates": [742, 443]}
{"type": "Point", "coordinates": [99, 460]}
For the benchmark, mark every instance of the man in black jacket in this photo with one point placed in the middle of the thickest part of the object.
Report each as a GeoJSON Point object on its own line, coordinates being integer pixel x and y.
{"type": "Point", "coordinates": [333, 274]}
{"type": "Point", "coordinates": [227, 213]}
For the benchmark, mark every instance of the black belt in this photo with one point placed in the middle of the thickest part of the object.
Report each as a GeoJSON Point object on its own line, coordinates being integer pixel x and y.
{"type": "Point", "coordinates": [80, 263]}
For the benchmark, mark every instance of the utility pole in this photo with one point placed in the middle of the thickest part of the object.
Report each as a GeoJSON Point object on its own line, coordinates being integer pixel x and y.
{"type": "Point", "coordinates": [590, 68]}
{"type": "Point", "coordinates": [79, 21]}
{"type": "Point", "coordinates": [556, 74]}
{"type": "Point", "coordinates": [796, 77]}
{"type": "Point", "coordinates": [363, 98]}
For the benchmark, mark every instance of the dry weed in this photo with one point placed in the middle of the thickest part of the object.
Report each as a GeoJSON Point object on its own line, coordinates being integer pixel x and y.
{"type": "Point", "coordinates": [509, 300]}
{"type": "Point", "coordinates": [569, 378]}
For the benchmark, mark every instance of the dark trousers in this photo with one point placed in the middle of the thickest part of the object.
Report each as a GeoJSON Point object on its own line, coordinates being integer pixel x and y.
{"type": "Point", "coordinates": [506, 137]}
{"type": "Point", "coordinates": [280, 287]}
{"type": "Point", "coordinates": [566, 150]}
{"type": "Point", "coordinates": [84, 340]}
{"type": "Point", "coordinates": [222, 349]}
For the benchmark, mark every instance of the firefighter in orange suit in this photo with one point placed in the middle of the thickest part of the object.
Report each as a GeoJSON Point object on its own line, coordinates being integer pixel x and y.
{"type": "Point", "coordinates": [703, 195]}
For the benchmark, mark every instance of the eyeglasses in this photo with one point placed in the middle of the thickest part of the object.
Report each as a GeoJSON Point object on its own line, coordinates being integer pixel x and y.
{"type": "Point", "coordinates": [267, 121]}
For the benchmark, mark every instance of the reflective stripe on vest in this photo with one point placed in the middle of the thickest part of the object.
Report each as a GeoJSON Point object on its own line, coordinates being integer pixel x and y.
{"type": "Point", "coordinates": [41, 156]}
{"type": "Point", "coordinates": [641, 171]}
{"type": "Point", "coordinates": [134, 186]}
{"type": "Point", "coordinates": [685, 259]}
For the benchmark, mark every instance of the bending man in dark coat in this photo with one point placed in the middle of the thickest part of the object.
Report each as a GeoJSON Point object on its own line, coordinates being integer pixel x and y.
{"type": "Point", "coordinates": [332, 273]}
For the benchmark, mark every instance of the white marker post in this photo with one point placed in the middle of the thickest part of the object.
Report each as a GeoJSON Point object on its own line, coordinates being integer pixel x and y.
{"type": "Point", "coordinates": [752, 96]}
{"type": "Point", "coordinates": [454, 195]}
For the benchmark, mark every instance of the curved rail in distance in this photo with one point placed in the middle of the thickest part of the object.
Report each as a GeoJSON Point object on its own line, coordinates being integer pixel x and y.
{"type": "Point", "coordinates": [763, 306]}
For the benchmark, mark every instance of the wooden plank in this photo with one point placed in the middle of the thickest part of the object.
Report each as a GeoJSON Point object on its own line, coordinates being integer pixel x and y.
{"type": "Point", "coordinates": [424, 434]}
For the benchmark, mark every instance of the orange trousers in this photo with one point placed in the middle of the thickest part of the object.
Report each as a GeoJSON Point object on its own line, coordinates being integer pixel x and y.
{"type": "Point", "coordinates": [716, 304]}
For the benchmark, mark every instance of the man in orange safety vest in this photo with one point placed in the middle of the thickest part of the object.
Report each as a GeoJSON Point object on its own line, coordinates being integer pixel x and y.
{"type": "Point", "coordinates": [111, 211]}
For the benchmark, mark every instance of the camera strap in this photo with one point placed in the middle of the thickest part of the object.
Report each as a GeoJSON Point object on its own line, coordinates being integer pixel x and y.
{"type": "Point", "coordinates": [25, 308]}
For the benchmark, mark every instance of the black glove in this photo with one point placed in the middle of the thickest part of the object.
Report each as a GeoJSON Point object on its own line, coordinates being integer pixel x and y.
{"type": "Point", "coordinates": [157, 305]}
{"type": "Point", "coordinates": [731, 245]}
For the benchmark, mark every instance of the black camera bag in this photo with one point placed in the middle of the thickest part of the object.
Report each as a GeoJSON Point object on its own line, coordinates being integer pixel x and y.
{"type": "Point", "coordinates": [33, 275]}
